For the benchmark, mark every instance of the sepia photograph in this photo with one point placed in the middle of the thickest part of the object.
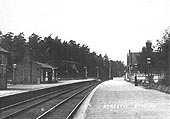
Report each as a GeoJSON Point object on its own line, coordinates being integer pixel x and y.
{"type": "Point", "coordinates": [84, 59]}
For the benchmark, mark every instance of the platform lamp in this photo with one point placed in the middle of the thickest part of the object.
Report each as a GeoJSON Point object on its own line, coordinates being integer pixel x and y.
{"type": "Point", "coordinates": [135, 67]}
{"type": "Point", "coordinates": [97, 72]}
{"type": "Point", "coordinates": [85, 72]}
{"type": "Point", "coordinates": [14, 73]}
{"type": "Point", "coordinates": [149, 62]}
{"type": "Point", "coordinates": [77, 74]}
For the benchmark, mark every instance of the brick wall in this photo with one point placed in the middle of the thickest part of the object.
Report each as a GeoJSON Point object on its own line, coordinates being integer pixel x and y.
{"type": "Point", "coordinates": [22, 74]}
{"type": "Point", "coordinates": [28, 73]}
{"type": "Point", "coordinates": [36, 73]}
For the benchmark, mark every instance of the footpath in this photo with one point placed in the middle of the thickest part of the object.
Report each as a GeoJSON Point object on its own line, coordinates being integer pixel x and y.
{"type": "Point", "coordinates": [118, 99]}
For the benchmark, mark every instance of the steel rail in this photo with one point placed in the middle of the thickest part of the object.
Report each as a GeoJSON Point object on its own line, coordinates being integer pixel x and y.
{"type": "Point", "coordinates": [38, 103]}
{"type": "Point", "coordinates": [31, 99]}
{"type": "Point", "coordinates": [72, 113]}
{"type": "Point", "coordinates": [62, 102]}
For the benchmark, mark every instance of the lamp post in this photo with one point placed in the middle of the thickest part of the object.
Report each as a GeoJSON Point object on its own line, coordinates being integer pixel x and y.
{"type": "Point", "coordinates": [77, 74]}
{"type": "Point", "coordinates": [97, 74]}
{"type": "Point", "coordinates": [149, 76]}
{"type": "Point", "coordinates": [85, 72]}
{"type": "Point", "coordinates": [148, 62]}
{"type": "Point", "coordinates": [135, 72]}
{"type": "Point", "coordinates": [135, 68]}
{"type": "Point", "coordinates": [14, 73]}
{"type": "Point", "coordinates": [110, 70]}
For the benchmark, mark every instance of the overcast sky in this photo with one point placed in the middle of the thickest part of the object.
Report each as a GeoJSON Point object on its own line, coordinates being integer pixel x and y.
{"type": "Point", "coordinates": [106, 26]}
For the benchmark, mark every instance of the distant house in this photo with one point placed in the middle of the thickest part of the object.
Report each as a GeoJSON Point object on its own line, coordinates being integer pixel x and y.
{"type": "Point", "coordinates": [133, 57]}
{"type": "Point", "coordinates": [33, 72]}
{"type": "Point", "coordinates": [3, 67]}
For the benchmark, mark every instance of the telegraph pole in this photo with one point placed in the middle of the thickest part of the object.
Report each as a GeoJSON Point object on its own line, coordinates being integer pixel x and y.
{"type": "Point", "coordinates": [169, 57]}
{"type": "Point", "coordinates": [85, 72]}
{"type": "Point", "coordinates": [149, 54]}
{"type": "Point", "coordinates": [110, 70]}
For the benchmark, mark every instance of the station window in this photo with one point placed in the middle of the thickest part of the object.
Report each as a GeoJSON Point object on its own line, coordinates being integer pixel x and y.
{"type": "Point", "coordinates": [3, 60]}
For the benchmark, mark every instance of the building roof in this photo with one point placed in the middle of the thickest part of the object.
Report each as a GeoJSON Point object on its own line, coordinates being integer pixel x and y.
{"type": "Point", "coordinates": [70, 62]}
{"type": "Point", "coordinates": [3, 50]}
{"type": "Point", "coordinates": [43, 65]}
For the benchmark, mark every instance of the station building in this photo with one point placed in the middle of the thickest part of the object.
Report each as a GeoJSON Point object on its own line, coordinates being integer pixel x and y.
{"type": "Point", "coordinates": [3, 68]}
{"type": "Point", "coordinates": [33, 72]}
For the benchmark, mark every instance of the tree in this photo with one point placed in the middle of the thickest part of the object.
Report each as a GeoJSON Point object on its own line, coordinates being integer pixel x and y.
{"type": "Point", "coordinates": [162, 49]}
{"type": "Point", "coordinates": [118, 68]}
{"type": "Point", "coordinates": [53, 51]}
{"type": "Point", "coordinates": [7, 41]}
{"type": "Point", "coordinates": [162, 54]}
{"type": "Point", "coordinates": [34, 46]}
{"type": "Point", "coordinates": [159, 58]}
{"type": "Point", "coordinates": [15, 45]}
{"type": "Point", "coordinates": [18, 47]}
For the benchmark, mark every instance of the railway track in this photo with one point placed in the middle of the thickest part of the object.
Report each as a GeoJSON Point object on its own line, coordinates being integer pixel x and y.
{"type": "Point", "coordinates": [59, 104]}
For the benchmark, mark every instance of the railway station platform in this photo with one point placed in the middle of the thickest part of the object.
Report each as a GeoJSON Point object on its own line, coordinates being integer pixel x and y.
{"type": "Point", "coordinates": [118, 99]}
{"type": "Point", "coordinates": [22, 88]}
